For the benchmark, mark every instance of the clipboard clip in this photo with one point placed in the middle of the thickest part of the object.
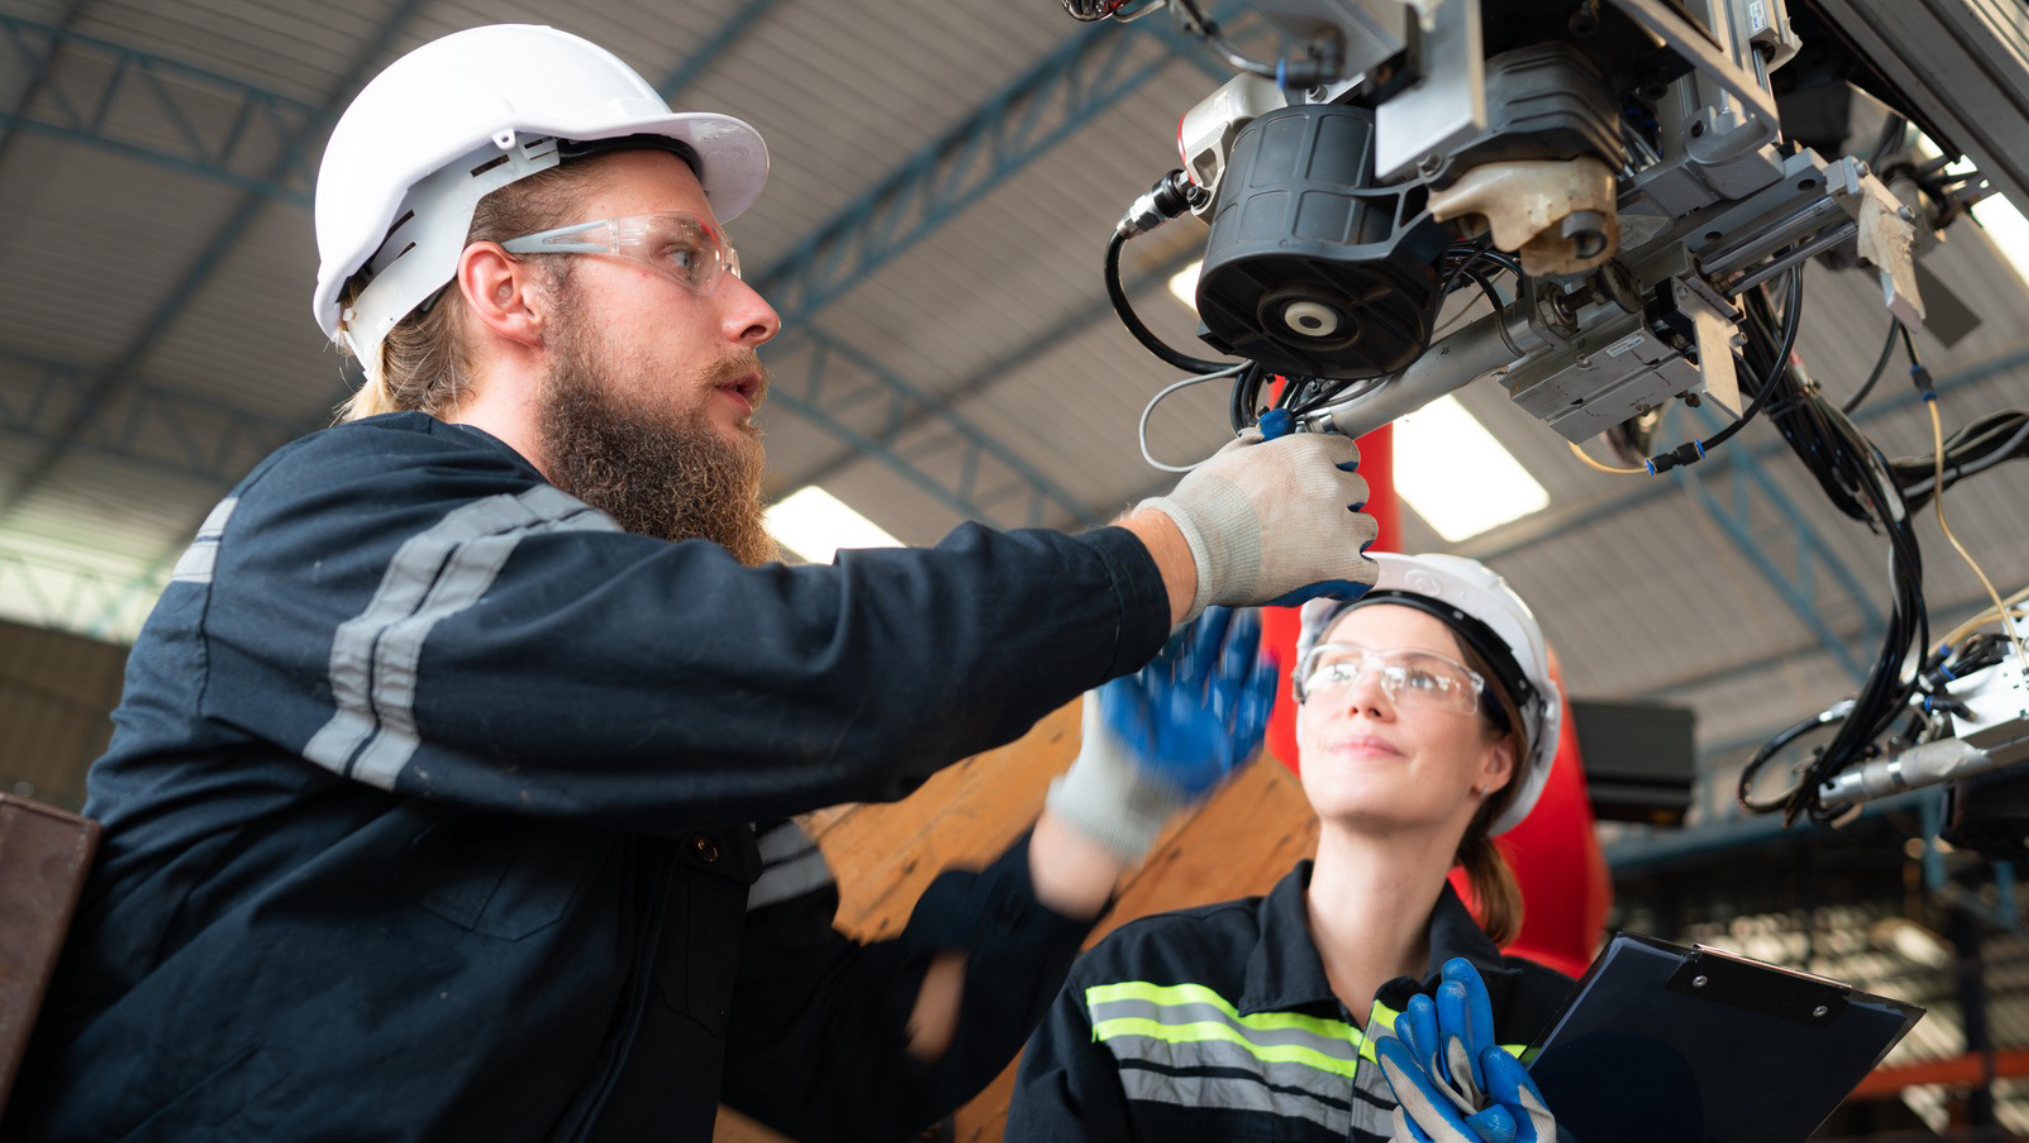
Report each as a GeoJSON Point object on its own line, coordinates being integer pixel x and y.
{"type": "Point", "coordinates": [1785, 994]}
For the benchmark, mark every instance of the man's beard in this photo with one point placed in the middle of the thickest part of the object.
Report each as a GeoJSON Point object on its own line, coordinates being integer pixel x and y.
{"type": "Point", "coordinates": [659, 474]}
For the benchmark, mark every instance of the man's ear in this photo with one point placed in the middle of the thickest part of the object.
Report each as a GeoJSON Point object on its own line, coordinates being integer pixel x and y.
{"type": "Point", "coordinates": [504, 294]}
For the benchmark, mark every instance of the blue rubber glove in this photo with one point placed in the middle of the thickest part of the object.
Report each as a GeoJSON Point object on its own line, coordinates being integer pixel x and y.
{"type": "Point", "coordinates": [1164, 737]}
{"type": "Point", "coordinates": [1452, 1082]}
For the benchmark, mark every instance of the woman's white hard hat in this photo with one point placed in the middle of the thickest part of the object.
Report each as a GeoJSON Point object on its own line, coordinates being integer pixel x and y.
{"type": "Point", "coordinates": [1468, 594]}
{"type": "Point", "coordinates": [461, 117]}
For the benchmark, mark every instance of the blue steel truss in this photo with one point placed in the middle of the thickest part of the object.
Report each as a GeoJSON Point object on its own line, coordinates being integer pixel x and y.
{"type": "Point", "coordinates": [959, 464]}
{"type": "Point", "coordinates": [244, 136]}
{"type": "Point", "coordinates": [1090, 72]}
{"type": "Point", "coordinates": [286, 162]}
{"type": "Point", "coordinates": [715, 45]}
{"type": "Point", "coordinates": [1797, 585]}
{"type": "Point", "coordinates": [1080, 320]}
{"type": "Point", "coordinates": [163, 430]}
{"type": "Point", "coordinates": [41, 590]}
{"type": "Point", "coordinates": [221, 128]}
{"type": "Point", "coordinates": [31, 79]}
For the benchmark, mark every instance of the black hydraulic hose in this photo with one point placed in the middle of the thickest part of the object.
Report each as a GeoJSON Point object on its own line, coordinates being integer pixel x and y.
{"type": "Point", "coordinates": [1792, 320]}
{"type": "Point", "coordinates": [1154, 344]}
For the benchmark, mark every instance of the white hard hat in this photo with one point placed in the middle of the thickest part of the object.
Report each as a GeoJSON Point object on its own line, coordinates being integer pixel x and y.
{"type": "Point", "coordinates": [1476, 603]}
{"type": "Point", "coordinates": [463, 116]}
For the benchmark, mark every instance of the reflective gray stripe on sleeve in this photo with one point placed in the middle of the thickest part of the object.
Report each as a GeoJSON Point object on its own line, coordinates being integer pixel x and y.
{"type": "Point", "coordinates": [198, 560]}
{"type": "Point", "coordinates": [1232, 1092]}
{"type": "Point", "coordinates": [1374, 1107]}
{"type": "Point", "coordinates": [792, 865]}
{"type": "Point", "coordinates": [784, 841]}
{"type": "Point", "coordinates": [433, 576]}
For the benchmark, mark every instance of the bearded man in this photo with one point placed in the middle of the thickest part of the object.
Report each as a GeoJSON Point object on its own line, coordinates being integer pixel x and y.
{"type": "Point", "coordinates": [449, 792]}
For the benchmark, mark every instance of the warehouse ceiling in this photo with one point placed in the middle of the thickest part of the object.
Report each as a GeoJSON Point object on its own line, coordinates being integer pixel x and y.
{"type": "Point", "coordinates": [944, 179]}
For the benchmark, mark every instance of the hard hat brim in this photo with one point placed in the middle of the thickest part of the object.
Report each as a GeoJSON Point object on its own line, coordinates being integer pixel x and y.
{"type": "Point", "coordinates": [732, 160]}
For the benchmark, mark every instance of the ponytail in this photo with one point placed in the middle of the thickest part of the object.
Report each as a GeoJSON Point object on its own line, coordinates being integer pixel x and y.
{"type": "Point", "coordinates": [1497, 896]}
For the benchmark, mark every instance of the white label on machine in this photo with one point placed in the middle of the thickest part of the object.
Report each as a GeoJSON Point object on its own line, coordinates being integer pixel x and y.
{"type": "Point", "coordinates": [1631, 341]}
{"type": "Point", "coordinates": [1757, 18]}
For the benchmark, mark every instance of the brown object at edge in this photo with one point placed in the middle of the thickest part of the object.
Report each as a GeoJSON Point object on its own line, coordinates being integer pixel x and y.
{"type": "Point", "coordinates": [44, 856]}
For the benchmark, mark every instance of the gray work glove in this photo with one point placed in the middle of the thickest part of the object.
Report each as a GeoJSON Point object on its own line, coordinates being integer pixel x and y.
{"type": "Point", "coordinates": [1168, 735]}
{"type": "Point", "coordinates": [1275, 523]}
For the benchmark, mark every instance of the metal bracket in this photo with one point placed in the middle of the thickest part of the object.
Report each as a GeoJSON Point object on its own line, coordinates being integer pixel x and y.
{"type": "Point", "coordinates": [1696, 45]}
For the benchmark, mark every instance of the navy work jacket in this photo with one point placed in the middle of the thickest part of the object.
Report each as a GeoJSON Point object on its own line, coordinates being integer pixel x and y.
{"type": "Point", "coordinates": [430, 815]}
{"type": "Point", "coordinates": [1218, 1023]}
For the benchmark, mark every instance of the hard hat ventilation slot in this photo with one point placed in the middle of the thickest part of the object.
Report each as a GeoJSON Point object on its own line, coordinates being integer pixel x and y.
{"type": "Point", "coordinates": [488, 165]}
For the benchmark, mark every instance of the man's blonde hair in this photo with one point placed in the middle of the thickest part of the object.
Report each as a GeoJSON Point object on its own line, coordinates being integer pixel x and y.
{"type": "Point", "coordinates": [425, 363]}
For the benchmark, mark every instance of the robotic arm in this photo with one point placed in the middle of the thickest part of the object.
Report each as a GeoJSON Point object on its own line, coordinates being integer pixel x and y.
{"type": "Point", "coordinates": [1622, 161]}
{"type": "Point", "coordinates": [1613, 176]}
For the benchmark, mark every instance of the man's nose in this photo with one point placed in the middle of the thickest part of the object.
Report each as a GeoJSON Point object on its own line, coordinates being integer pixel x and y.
{"type": "Point", "coordinates": [749, 319]}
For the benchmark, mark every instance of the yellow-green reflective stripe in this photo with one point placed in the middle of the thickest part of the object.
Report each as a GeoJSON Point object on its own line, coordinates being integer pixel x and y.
{"type": "Point", "coordinates": [1380, 1020]}
{"type": "Point", "coordinates": [1173, 994]}
{"type": "Point", "coordinates": [1210, 1030]}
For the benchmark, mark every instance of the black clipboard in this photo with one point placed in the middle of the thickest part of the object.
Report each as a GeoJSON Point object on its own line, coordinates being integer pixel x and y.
{"type": "Point", "coordinates": [1671, 1043]}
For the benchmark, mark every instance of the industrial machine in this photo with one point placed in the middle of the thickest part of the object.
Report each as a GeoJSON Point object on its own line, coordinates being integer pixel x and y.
{"type": "Point", "coordinates": [1633, 187]}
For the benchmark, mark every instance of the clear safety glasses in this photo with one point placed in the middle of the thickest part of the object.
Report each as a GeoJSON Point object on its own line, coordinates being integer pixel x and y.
{"type": "Point", "coordinates": [1408, 678]}
{"type": "Point", "coordinates": [683, 246]}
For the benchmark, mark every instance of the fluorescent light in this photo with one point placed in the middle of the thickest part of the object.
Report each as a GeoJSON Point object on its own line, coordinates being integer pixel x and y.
{"type": "Point", "coordinates": [1457, 476]}
{"type": "Point", "coordinates": [815, 525]}
{"type": "Point", "coordinates": [2008, 230]}
{"type": "Point", "coordinates": [1184, 284]}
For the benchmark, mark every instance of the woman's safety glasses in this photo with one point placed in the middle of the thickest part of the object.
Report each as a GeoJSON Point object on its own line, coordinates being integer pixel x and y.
{"type": "Point", "coordinates": [683, 246]}
{"type": "Point", "coordinates": [1408, 678]}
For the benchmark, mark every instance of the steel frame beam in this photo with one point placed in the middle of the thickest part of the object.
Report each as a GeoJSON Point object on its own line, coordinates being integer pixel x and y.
{"type": "Point", "coordinates": [37, 73]}
{"type": "Point", "coordinates": [1798, 587]}
{"type": "Point", "coordinates": [177, 434]}
{"type": "Point", "coordinates": [1040, 108]}
{"type": "Point", "coordinates": [260, 149]}
{"type": "Point", "coordinates": [60, 593]}
{"type": "Point", "coordinates": [728, 33]}
{"type": "Point", "coordinates": [995, 372]}
{"type": "Point", "coordinates": [288, 162]}
{"type": "Point", "coordinates": [1088, 72]}
{"type": "Point", "coordinates": [960, 464]}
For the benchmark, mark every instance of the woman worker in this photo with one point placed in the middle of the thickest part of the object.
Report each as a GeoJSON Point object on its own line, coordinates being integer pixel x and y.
{"type": "Point", "coordinates": [1426, 727]}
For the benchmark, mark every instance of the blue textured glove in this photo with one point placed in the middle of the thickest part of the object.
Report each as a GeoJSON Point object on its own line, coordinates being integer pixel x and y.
{"type": "Point", "coordinates": [1452, 1082]}
{"type": "Point", "coordinates": [1164, 737]}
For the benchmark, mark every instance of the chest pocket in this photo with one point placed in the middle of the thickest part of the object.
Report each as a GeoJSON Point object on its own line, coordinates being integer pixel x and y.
{"type": "Point", "coordinates": [706, 911]}
{"type": "Point", "coordinates": [500, 877]}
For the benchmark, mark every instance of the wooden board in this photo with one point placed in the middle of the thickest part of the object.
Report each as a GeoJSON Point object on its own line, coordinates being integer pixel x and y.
{"type": "Point", "coordinates": [1239, 843]}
